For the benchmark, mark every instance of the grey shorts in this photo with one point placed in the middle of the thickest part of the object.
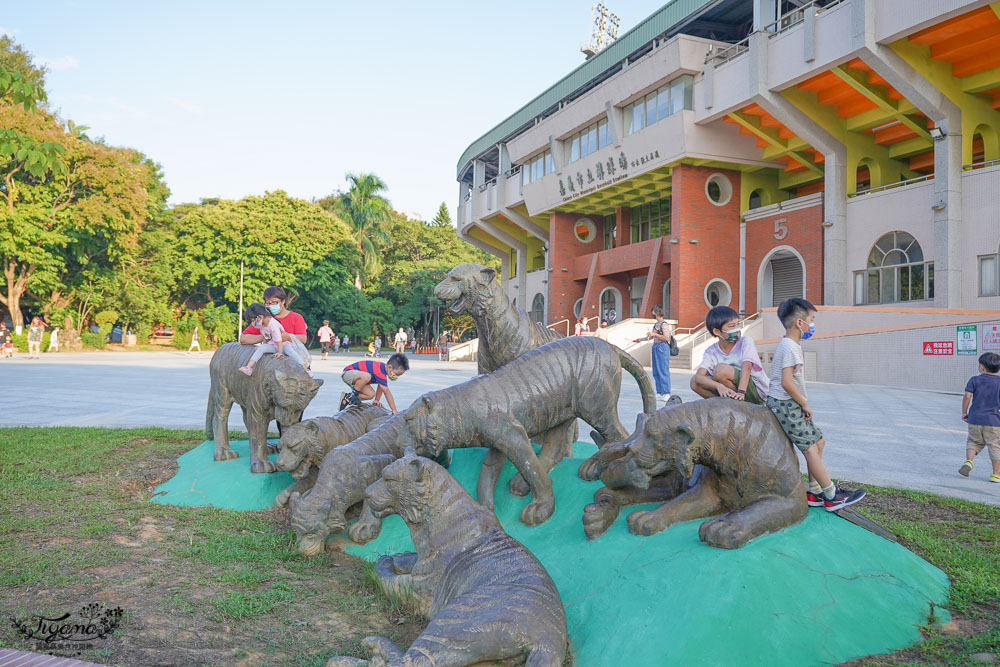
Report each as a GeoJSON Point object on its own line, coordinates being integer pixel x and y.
{"type": "Point", "coordinates": [801, 431]}
{"type": "Point", "coordinates": [987, 437]}
{"type": "Point", "coordinates": [349, 376]}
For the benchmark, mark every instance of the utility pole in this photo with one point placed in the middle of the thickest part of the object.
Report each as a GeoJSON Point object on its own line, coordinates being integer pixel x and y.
{"type": "Point", "coordinates": [240, 329]}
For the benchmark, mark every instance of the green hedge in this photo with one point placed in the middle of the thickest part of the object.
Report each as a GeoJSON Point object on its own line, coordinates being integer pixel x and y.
{"type": "Point", "coordinates": [21, 342]}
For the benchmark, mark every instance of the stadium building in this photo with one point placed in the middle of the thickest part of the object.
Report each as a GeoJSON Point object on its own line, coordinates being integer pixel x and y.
{"type": "Point", "coordinates": [741, 152]}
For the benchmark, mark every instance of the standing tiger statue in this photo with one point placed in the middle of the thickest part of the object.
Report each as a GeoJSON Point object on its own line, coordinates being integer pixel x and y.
{"type": "Point", "coordinates": [545, 388]}
{"type": "Point", "coordinates": [505, 333]}
{"type": "Point", "coordinates": [302, 446]}
{"type": "Point", "coordinates": [278, 389]}
{"type": "Point", "coordinates": [488, 598]}
{"type": "Point", "coordinates": [750, 482]}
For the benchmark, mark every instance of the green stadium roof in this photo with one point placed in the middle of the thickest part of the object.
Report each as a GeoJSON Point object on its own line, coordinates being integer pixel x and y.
{"type": "Point", "coordinates": [658, 23]}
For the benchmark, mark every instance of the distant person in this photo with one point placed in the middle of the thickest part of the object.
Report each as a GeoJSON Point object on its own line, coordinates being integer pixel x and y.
{"type": "Point", "coordinates": [325, 334]}
{"type": "Point", "coordinates": [442, 345]}
{"type": "Point", "coordinates": [581, 328]}
{"type": "Point", "coordinates": [6, 342]}
{"type": "Point", "coordinates": [54, 340]}
{"type": "Point", "coordinates": [194, 341]}
{"type": "Point", "coordinates": [346, 345]}
{"type": "Point", "coordinates": [362, 375]}
{"type": "Point", "coordinates": [731, 366]}
{"type": "Point", "coordinates": [602, 330]}
{"type": "Point", "coordinates": [413, 345]}
{"type": "Point", "coordinates": [399, 342]}
{"type": "Point", "coordinates": [661, 336]}
{"type": "Point", "coordinates": [291, 322]}
{"type": "Point", "coordinates": [273, 335]}
{"type": "Point", "coordinates": [378, 345]}
{"type": "Point", "coordinates": [35, 338]}
{"type": "Point", "coordinates": [787, 400]}
{"type": "Point", "coordinates": [981, 411]}
{"type": "Point", "coordinates": [336, 343]}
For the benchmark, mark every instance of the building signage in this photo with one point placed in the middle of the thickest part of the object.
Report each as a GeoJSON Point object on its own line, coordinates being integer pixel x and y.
{"type": "Point", "coordinates": [967, 339]}
{"type": "Point", "coordinates": [601, 174]}
{"type": "Point", "coordinates": [939, 347]}
{"type": "Point", "coordinates": [991, 337]}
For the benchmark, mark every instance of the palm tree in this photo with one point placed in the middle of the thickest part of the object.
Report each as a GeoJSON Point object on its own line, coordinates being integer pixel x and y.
{"type": "Point", "coordinates": [364, 208]}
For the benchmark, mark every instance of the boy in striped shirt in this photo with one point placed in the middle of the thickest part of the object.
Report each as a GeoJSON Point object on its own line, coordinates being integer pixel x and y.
{"type": "Point", "coordinates": [363, 376]}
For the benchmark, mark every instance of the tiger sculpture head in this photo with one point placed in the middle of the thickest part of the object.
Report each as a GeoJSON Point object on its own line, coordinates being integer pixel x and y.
{"type": "Point", "coordinates": [659, 443]}
{"type": "Point", "coordinates": [431, 427]}
{"type": "Point", "coordinates": [297, 445]}
{"type": "Point", "coordinates": [469, 288]}
{"type": "Point", "coordinates": [290, 389]}
{"type": "Point", "coordinates": [411, 487]}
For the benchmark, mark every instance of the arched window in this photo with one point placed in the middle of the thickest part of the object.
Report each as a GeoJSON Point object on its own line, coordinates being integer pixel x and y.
{"type": "Point", "coordinates": [896, 272]}
{"type": "Point", "coordinates": [611, 305]}
{"type": "Point", "coordinates": [758, 198]}
{"type": "Point", "coordinates": [537, 313]}
{"type": "Point", "coordinates": [666, 299]}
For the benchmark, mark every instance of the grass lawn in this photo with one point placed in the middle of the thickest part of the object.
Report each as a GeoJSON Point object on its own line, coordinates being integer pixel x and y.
{"type": "Point", "coordinates": [211, 586]}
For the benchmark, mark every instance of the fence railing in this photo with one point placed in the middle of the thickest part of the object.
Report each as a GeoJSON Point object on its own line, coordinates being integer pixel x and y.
{"type": "Point", "coordinates": [890, 186]}
{"type": "Point", "coordinates": [798, 15]}
{"type": "Point", "coordinates": [492, 181]}
{"type": "Point", "coordinates": [728, 53]}
{"type": "Point", "coordinates": [980, 165]}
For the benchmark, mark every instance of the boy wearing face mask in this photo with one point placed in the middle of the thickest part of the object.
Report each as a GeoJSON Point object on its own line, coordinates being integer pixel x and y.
{"type": "Point", "coordinates": [731, 366]}
{"type": "Point", "coordinates": [362, 376]}
{"type": "Point", "coordinates": [789, 404]}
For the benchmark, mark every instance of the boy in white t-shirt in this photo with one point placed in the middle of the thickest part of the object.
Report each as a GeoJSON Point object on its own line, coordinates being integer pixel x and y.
{"type": "Point", "coordinates": [731, 366]}
{"type": "Point", "coordinates": [789, 404]}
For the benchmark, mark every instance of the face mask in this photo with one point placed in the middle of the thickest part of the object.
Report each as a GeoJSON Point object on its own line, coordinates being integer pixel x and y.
{"type": "Point", "coordinates": [391, 375]}
{"type": "Point", "coordinates": [274, 308]}
{"type": "Point", "coordinates": [733, 336]}
{"type": "Point", "coordinates": [809, 334]}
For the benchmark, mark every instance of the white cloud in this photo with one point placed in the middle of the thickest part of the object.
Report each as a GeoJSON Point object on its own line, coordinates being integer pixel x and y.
{"type": "Point", "coordinates": [61, 63]}
{"type": "Point", "coordinates": [186, 106]}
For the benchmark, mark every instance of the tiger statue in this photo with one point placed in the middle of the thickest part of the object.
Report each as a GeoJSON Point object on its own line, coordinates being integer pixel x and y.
{"type": "Point", "coordinates": [278, 389]}
{"type": "Point", "coordinates": [488, 598]}
{"type": "Point", "coordinates": [750, 477]}
{"type": "Point", "coordinates": [302, 446]}
{"type": "Point", "coordinates": [544, 388]}
{"type": "Point", "coordinates": [505, 333]}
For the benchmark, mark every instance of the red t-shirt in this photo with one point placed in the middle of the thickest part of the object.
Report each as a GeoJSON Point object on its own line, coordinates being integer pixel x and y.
{"type": "Point", "coordinates": [293, 323]}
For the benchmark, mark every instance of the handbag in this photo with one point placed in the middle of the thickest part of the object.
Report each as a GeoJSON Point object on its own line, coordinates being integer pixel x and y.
{"type": "Point", "coordinates": [674, 349]}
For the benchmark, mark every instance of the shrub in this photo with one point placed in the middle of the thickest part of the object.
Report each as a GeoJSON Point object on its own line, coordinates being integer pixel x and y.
{"type": "Point", "coordinates": [21, 342]}
{"type": "Point", "coordinates": [97, 341]}
{"type": "Point", "coordinates": [182, 339]}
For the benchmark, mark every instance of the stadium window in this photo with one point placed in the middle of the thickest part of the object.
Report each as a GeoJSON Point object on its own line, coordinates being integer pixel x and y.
{"type": "Point", "coordinates": [663, 102]}
{"type": "Point", "coordinates": [540, 165]}
{"type": "Point", "coordinates": [610, 231]}
{"type": "Point", "coordinates": [989, 275]}
{"type": "Point", "coordinates": [650, 220]}
{"type": "Point", "coordinates": [896, 272]}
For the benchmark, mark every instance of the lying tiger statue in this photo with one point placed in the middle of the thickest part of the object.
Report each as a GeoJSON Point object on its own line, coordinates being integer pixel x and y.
{"type": "Point", "coordinates": [750, 482]}
{"type": "Point", "coordinates": [488, 598]}
{"type": "Point", "coordinates": [302, 446]}
{"type": "Point", "coordinates": [544, 388]}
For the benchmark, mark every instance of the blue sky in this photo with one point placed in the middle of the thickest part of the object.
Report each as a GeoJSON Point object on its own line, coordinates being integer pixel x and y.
{"type": "Point", "coordinates": [237, 98]}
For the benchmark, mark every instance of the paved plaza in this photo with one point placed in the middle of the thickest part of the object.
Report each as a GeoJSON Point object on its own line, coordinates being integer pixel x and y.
{"type": "Point", "coordinates": [877, 435]}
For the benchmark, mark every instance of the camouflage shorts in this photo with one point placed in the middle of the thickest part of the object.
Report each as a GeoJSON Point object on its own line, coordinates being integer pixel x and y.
{"type": "Point", "coordinates": [801, 431]}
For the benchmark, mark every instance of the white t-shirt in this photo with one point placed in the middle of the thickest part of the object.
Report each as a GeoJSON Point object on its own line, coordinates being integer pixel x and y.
{"type": "Point", "coordinates": [744, 350]}
{"type": "Point", "coordinates": [401, 337]}
{"type": "Point", "coordinates": [325, 334]}
{"type": "Point", "coordinates": [788, 353]}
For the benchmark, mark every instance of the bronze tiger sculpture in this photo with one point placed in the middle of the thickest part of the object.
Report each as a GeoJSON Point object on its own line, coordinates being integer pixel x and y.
{"type": "Point", "coordinates": [751, 473]}
{"type": "Point", "coordinates": [542, 389]}
{"type": "Point", "coordinates": [488, 598]}
{"type": "Point", "coordinates": [505, 333]}
{"type": "Point", "coordinates": [302, 446]}
{"type": "Point", "coordinates": [278, 389]}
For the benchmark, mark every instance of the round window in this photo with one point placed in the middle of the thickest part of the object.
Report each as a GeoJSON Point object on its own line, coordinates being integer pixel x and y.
{"type": "Point", "coordinates": [585, 230]}
{"type": "Point", "coordinates": [718, 189]}
{"type": "Point", "coordinates": [577, 307]}
{"type": "Point", "coordinates": [717, 293]}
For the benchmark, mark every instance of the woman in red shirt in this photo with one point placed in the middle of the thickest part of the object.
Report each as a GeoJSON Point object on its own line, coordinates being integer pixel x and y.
{"type": "Point", "coordinates": [292, 322]}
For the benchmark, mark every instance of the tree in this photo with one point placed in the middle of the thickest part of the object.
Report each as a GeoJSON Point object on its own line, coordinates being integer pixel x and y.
{"type": "Point", "coordinates": [442, 218]}
{"type": "Point", "coordinates": [365, 210]}
{"type": "Point", "coordinates": [14, 58]}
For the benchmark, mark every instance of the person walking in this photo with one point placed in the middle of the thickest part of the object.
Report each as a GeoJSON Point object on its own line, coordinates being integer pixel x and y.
{"type": "Point", "coordinates": [6, 344]}
{"type": "Point", "coordinates": [336, 343]}
{"type": "Point", "coordinates": [194, 341]}
{"type": "Point", "coordinates": [442, 345]}
{"type": "Point", "coordinates": [413, 344]}
{"type": "Point", "coordinates": [346, 344]}
{"type": "Point", "coordinates": [35, 338]}
{"type": "Point", "coordinates": [399, 343]}
{"type": "Point", "coordinates": [54, 340]}
{"type": "Point", "coordinates": [325, 334]}
{"type": "Point", "coordinates": [661, 336]}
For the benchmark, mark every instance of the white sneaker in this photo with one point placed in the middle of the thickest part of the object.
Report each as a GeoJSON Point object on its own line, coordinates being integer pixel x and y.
{"type": "Point", "coordinates": [663, 397]}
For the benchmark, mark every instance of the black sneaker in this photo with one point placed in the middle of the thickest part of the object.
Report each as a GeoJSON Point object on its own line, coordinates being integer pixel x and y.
{"type": "Point", "coordinates": [815, 499]}
{"type": "Point", "coordinates": [349, 398]}
{"type": "Point", "coordinates": [842, 499]}
{"type": "Point", "coordinates": [354, 399]}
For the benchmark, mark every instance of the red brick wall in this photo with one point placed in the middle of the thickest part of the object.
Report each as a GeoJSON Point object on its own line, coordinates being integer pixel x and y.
{"type": "Point", "coordinates": [564, 247]}
{"type": "Point", "coordinates": [805, 235]}
{"type": "Point", "coordinates": [717, 253]}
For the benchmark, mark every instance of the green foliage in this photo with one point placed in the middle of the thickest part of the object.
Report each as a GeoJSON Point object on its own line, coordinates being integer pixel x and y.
{"type": "Point", "coordinates": [106, 319]}
{"type": "Point", "coordinates": [365, 210]}
{"type": "Point", "coordinates": [97, 341]}
{"type": "Point", "coordinates": [14, 58]}
{"type": "Point", "coordinates": [21, 342]}
{"type": "Point", "coordinates": [383, 315]}
{"type": "Point", "coordinates": [442, 218]}
{"type": "Point", "coordinates": [350, 314]}
{"type": "Point", "coordinates": [219, 323]}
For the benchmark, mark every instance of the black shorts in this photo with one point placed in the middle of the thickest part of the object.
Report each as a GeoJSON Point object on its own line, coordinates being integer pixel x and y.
{"type": "Point", "coordinates": [324, 347]}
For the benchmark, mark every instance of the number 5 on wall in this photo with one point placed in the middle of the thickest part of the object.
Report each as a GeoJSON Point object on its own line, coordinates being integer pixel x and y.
{"type": "Point", "coordinates": [780, 228]}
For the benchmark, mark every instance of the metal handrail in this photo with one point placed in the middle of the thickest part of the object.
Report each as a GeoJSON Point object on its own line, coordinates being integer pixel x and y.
{"type": "Point", "coordinates": [513, 171]}
{"type": "Point", "coordinates": [492, 181]}
{"type": "Point", "coordinates": [727, 54]}
{"type": "Point", "coordinates": [798, 15]}
{"type": "Point", "coordinates": [553, 325]}
{"type": "Point", "coordinates": [890, 186]}
{"type": "Point", "coordinates": [696, 339]}
{"type": "Point", "coordinates": [980, 165]}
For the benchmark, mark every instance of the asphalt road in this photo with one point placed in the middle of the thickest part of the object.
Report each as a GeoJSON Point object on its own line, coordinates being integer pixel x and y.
{"type": "Point", "coordinates": [876, 435]}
